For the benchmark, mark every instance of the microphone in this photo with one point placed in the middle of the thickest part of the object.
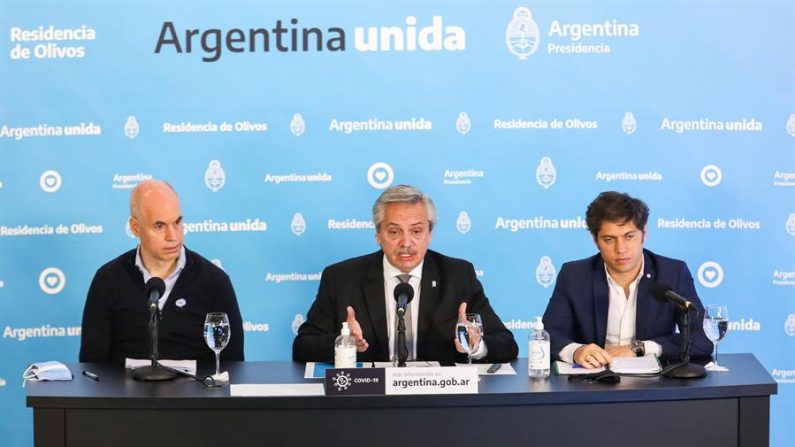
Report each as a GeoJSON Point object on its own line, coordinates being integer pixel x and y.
{"type": "Point", "coordinates": [403, 295]}
{"type": "Point", "coordinates": [684, 369]}
{"type": "Point", "coordinates": [155, 288]}
{"type": "Point", "coordinates": [663, 292]}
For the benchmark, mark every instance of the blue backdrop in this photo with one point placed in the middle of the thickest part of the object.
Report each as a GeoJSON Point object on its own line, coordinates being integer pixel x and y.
{"type": "Point", "coordinates": [279, 124]}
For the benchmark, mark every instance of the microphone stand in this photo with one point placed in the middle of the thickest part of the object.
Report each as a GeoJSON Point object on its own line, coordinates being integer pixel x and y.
{"type": "Point", "coordinates": [685, 369]}
{"type": "Point", "coordinates": [153, 372]}
{"type": "Point", "coordinates": [403, 352]}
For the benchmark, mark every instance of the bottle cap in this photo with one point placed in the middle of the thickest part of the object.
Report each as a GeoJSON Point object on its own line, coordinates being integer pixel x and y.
{"type": "Point", "coordinates": [345, 329]}
{"type": "Point", "coordinates": [538, 325]}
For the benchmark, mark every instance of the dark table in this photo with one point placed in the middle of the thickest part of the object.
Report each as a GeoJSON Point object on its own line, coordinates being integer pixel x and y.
{"type": "Point", "coordinates": [723, 409]}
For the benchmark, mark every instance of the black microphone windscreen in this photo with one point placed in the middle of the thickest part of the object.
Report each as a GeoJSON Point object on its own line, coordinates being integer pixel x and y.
{"type": "Point", "coordinates": [404, 288]}
{"type": "Point", "coordinates": [155, 284]}
{"type": "Point", "coordinates": [659, 289]}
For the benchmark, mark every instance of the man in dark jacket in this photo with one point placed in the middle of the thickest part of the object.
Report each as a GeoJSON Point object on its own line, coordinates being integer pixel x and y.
{"type": "Point", "coordinates": [116, 314]}
{"type": "Point", "coordinates": [360, 291]}
{"type": "Point", "coordinates": [603, 306]}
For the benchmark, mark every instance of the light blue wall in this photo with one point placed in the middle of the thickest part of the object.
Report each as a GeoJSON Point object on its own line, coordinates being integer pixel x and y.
{"type": "Point", "coordinates": [705, 63]}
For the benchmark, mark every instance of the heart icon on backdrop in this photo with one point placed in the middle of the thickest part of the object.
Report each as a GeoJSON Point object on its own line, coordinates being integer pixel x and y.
{"type": "Point", "coordinates": [711, 274]}
{"type": "Point", "coordinates": [380, 176]}
{"type": "Point", "coordinates": [52, 280]}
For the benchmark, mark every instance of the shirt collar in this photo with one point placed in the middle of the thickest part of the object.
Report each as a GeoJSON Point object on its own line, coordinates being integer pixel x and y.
{"type": "Point", "coordinates": [634, 281]}
{"type": "Point", "coordinates": [140, 263]}
{"type": "Point", "coordinates": [390, 271]}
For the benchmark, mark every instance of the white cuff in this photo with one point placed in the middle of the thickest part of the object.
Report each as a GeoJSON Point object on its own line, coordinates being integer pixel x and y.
{"type": "Point", "coordinates": [652, 348]}
{"type": "Point", "coordinates": [567, 353]}
{"type": "Point", "coordinates": [481, 352]}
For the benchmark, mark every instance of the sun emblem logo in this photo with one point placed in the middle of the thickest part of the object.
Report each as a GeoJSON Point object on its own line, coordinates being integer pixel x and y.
{"type": "Point", "coordinates": [342, 381]}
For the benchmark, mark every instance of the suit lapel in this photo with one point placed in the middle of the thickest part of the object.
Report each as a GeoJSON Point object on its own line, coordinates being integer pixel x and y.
{"type": "Point", "coordinates": [643, 311]}
{"type": "Point", "coordinates": [374, 301]}
{"type": "Point", "coordinates": [601, 301]}
{"type": "Point", "coordinates": [429, 296]}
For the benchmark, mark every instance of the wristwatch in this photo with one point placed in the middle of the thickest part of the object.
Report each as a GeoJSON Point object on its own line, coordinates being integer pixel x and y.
{"type": "Point", "coordinates": [637, 347]}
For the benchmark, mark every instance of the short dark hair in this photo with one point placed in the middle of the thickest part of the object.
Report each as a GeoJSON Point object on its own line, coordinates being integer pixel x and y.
{"type": "Point", "coordinates": [613, 206]}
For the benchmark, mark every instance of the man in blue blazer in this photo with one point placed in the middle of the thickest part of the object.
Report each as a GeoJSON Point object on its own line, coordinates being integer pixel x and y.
{"type": "Point", "coordinates": [360, 291]}
{"type": "Point", "coordinates": [602, 306]}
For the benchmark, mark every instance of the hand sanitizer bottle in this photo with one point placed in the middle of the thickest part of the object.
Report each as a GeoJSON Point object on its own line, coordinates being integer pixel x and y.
{"type": "Point", "coordinates": [538, 351]}
{"type": "Point", "coordinates": [345, 349]}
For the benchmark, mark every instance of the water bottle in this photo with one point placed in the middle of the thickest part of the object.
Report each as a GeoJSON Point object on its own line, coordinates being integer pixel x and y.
{"type": "Point", "coordinates": [345, 349]}
{"type": "Point", "coordinates": [538, 351]}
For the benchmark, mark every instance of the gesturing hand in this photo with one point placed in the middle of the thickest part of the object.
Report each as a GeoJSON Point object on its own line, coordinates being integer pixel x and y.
{"type": "Point", "coordinates": [356, 331]}
{"type": "Point", "coordinates": [474, 332]}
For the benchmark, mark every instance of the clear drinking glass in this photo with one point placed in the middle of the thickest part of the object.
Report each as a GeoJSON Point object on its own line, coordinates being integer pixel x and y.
{"type": "Point", "coordinates": [216, 334]}
{"type": "Point", "coordinates": [716, 323]}
{"type": "Point", "coordinates": [469, 330]}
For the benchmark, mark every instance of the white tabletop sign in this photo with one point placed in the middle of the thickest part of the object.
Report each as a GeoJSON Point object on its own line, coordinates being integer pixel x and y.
{"type": "Point", "coordinates": [432, 380]}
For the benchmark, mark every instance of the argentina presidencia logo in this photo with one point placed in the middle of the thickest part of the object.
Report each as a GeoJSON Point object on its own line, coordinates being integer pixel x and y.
{"type": "Point", "coordinates": [791, 125]}
{"type": "Point", "coordinates": [463, 124]}
{"type": "Point", "coordinates": [131, 127]}
{"type": "Point", "coordinates": [297, 125]}
{"type": "Point", "coordinates": [522, 35]}
{"type": "Point", "coordinates": [628, 124]}
{"type": "Point", "coordinates": [790, 225]}
{"type": "Point", "coordinates": [214, 176]}
{"type": "Point", "coordinates": [463, 224]}
{"type": "Point", "coordinates": [298, 224]}
{"type": "Point", "coordinates": [545, 272]}
{"type": "Point", "coordinates": [789, 325]}
{"type": "Point", "coordinates": [546, 174]}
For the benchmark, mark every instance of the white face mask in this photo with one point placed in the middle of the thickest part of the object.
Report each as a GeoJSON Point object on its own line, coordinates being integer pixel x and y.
{"type": "Point", "coordinates": [47, 371]}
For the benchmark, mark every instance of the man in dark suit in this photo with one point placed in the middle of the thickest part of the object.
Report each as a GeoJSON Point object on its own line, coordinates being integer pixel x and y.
{"type": "Point", "coordinates": [603, 307]}
{"type": "Point", "coordinates": [360, 291]}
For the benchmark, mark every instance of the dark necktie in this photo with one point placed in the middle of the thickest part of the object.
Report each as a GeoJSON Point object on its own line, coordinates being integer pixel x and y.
{"type": "Point", "coordinates": [409, 327]}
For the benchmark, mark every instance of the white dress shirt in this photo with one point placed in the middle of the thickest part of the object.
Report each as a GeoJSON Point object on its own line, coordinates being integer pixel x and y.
{"type": "Point", "coordinates": [391, 281]}
{"type": "Point", "coordinates": [170, 281]}
{"type": "Point", "coordinates": [621, 316]}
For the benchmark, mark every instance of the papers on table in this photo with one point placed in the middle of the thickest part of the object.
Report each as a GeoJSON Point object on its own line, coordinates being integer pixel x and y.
{"type": "Point", "coordinates": [648, 364]}
{"type": "Point", "coordinates": [711, 366]}
{"type": "Point", "coordinates": [412, 364]}
{"type": "Point", "coordinates": [188, 366]}
{"type": "Point", "coordinates": [277, 389]}
{"type": "Point", "coordinates": [315, 370]}
{"type": "Point", "coordinates": [564, 368]}
{"type": "Point", "coordinates": [505, 369]}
